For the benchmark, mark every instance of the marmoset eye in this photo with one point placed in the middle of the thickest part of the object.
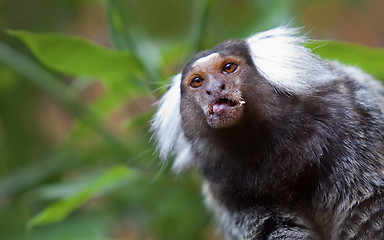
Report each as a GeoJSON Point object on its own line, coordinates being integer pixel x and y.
{"type": "Point", "coordinates": [230, 68]}
{"type": "Point", "coordinates": [196, 82]}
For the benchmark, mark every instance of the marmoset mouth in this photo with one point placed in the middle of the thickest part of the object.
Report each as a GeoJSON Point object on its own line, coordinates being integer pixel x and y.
{"type": "Point", "coordinates": [223, 103]}
{"type": "Point", "coordinates": [224, 112]}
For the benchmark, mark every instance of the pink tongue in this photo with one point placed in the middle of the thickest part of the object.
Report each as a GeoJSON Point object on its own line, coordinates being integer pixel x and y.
{"type": "Point", "coordinates": [218, 106]}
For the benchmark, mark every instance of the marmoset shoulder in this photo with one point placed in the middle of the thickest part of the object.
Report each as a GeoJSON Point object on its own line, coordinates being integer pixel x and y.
{"type": "Point", "coordinates": [290, 146]}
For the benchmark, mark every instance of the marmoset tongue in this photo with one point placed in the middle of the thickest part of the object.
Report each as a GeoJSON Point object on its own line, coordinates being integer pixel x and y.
{"type": "Point", "coordinates": [218, 106]}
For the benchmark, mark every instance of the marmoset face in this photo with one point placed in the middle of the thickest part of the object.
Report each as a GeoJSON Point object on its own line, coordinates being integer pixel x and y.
{"type": "Point", "coordinates": [213, 82]}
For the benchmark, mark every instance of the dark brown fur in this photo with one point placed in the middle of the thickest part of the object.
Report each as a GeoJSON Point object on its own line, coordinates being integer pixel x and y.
{"type": "Point", "coordinates": [303, 155]}
{"type": "Point", "coordinates": [285, 164]}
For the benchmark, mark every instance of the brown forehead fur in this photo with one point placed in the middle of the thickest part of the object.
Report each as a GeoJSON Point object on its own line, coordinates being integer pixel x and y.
{"type": "Point", "coordinates": [234, 48]}
{"type": "Point", "coordinates": [213, 65]}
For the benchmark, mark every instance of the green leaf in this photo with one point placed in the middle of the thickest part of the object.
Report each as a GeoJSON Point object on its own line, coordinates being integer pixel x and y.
{"type": "Point", "coordinates": [126, 35]}
{"type": "Point", "coordinates": [200, 20]}
{"type": "Point", "coordinates": [120, 25]}
{"type": "Point", "coordinates": [48, 82]}
{"type": "Point", "coordinates": [29, 175]}
{"type": "Point", "coordinates": [61, 209]}
{"type": "Point", "coordinates": [369, 59]}
{"type": "Point", "coordinates": [76, 56]}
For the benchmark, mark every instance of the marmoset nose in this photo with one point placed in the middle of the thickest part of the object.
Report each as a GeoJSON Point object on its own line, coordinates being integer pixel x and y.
{"type": "Point", "coordinates": [215, 87]}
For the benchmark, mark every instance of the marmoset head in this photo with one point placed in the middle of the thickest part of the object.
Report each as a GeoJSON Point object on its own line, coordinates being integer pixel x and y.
{"type": "Point", "coordinates": [236, 80]}
{"type": "Point", "coordinates": [212, 84]}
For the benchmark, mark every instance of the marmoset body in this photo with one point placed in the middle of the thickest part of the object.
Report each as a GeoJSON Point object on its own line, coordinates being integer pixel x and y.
{"type": "Point", "coordinates": [290, 146]}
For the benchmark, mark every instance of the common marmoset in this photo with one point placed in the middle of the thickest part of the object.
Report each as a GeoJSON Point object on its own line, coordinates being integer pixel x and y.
{"type": "Point", "coordinates": [290, 146]}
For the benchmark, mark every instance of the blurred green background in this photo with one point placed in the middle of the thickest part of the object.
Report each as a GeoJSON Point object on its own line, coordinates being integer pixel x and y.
{"type": "Point", "coordinates": [78, 83]}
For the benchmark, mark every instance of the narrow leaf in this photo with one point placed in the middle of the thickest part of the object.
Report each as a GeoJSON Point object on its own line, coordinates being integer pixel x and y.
{"type": "Point", "coordinates": [61, 209]}
{"type": "Point", "coordinates": [27, 176]}
{"type": "Point", "coordinates": [126, 35]}
{"type": "Point", "coordinates": [200, 19]}
{"type": "Point", "coordinates": [76, 56]}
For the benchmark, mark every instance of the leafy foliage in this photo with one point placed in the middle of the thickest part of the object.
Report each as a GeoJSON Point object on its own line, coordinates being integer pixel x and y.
{"type": "Point", "coordinates": [76, 157]}
{"type": "Point", "coordinates": [60, 210]}
{"type": "Point", "coordinates": [75, 56]}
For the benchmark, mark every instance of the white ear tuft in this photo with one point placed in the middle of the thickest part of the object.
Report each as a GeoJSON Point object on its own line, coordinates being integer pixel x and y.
{"type": "Point", "coordinates": [281, 58]}
{"type": "Point", "coordinates": [166, 125]}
